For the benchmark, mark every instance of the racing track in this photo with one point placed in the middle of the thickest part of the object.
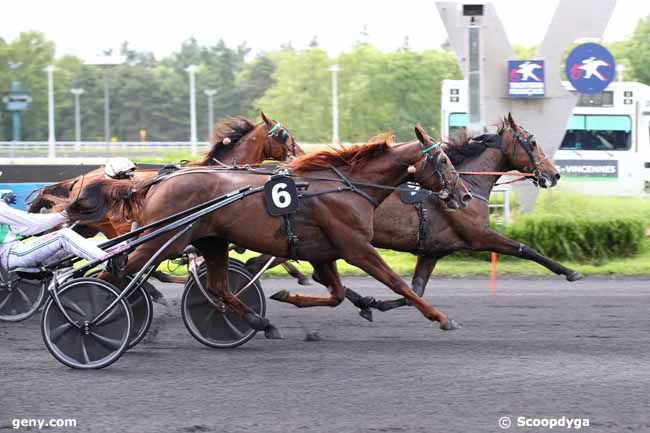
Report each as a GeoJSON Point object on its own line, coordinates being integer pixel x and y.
{"type": "Point", "coordinates": [540, 348]}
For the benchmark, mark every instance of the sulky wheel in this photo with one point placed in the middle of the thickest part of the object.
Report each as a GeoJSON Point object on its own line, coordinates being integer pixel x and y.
{"type": "Point", "coordinates": [233, 262]}
{"type": "Point", "coordinates": [101, 343]}
{"type": "Point", "coordinates": [19, 298]}
{"type": "Point", "coordinates": [210, 321]}
{"type": "Point", "coordinates": [141, 307]}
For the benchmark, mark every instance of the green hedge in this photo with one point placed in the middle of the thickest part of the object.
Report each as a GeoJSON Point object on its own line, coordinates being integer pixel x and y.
{"type": "Point", "coordinates": [580, 238]}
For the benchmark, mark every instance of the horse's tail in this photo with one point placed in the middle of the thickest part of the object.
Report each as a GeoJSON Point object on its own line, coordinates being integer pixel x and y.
{"type": "Point", "coordinates": [99, 197]}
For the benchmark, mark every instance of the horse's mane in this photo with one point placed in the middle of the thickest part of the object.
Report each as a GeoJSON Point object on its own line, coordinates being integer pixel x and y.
{"type": "Point", "coordinates": [460, 147]}
{"type": "Point", "coordinates": [232, 128]}
{"type": "Point", "coordinates": [350, 156]}
{"type": "Point", "coordinates": [44, 198]}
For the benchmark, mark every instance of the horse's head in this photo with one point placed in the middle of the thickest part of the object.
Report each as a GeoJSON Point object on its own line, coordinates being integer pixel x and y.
{"type": "Point", "coordinates": [437, 173]}
{"type": "Point", "coordinates": [43, 200]}
{"type": "Point", "coordinates": [524, 154]}
{"type": "Point", "coordinates": [280, 144]}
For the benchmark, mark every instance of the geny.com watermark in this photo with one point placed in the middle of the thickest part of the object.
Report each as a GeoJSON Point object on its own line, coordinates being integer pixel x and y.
{"type": "Point", "coordinates": [43, 423]}
{"type": "Point", "coordinates": [550, 423]}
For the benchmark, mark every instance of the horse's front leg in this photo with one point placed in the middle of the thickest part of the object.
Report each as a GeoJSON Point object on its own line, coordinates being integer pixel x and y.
{"type": "Point", "coordinates": [423, 270]}
{"type": "Point", "coordinates": [368, 259]}
{"type": "Point", "coordinates": [215, 254]}
{"type": "Point", "coordinates": [493, 241]}
{"type": "Point", "coordinates": [328, 276]}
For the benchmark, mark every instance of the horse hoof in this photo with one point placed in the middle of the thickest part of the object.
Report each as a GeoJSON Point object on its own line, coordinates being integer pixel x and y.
{"type": "Point", "coordinates": [305, 281]}
{"type": "Point", "coordinates": [312, 336]}
{"type": "Point", "coordinates": [366, 313]}
{"type": "Point", "coordinates": [574, 276]}
{"type": "Point", "coordinates": [450, 325]}
{"type": "Point", "coordinates": [281, 296]}
{"type": "Point", "coordinates": [273, 333]}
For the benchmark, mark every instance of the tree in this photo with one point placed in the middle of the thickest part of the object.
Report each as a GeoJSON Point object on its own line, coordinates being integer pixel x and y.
{"type": "Point", "coordinates": [300, 95]}
{"type": "Point", "coordinates": [638, 51]}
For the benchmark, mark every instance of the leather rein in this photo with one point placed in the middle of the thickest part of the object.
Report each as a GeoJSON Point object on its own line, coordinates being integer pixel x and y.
{"type": "Point", "coordinates": [495, 141]}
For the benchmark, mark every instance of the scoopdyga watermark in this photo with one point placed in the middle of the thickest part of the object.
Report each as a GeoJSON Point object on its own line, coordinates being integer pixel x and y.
{"type": "Point", "coordinates": [550, 423]}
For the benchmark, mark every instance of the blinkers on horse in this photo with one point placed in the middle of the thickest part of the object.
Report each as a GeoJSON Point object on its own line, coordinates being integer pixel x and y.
{"type": "Point", "coordinates": [280, 133]}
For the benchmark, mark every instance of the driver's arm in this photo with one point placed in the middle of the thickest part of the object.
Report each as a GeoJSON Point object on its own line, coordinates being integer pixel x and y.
{"type": "Point", "coordinates": [28, 224]}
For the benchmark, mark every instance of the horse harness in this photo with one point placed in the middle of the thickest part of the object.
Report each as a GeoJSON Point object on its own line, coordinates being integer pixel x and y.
{"type": "Point", "coordinates": [281, 134]}
{"type": "Point", "coordinates": [300, 191]}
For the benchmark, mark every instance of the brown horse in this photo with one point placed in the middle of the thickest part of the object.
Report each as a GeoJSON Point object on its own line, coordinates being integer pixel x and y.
{"type": "Point", "coordinates": [334, 218]}
{"type": "Point", "coordinates": [236, 140]}
{"type": "Point", "coordinates": [430, 231]}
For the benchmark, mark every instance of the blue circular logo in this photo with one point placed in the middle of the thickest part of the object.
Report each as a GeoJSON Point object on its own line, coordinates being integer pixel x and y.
{"type": "Point", "coordinates": [590, 68]}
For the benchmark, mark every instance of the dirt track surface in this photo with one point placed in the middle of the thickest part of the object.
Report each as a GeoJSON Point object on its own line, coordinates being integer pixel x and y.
{"type": "Point", "coordinates": [540, 348]}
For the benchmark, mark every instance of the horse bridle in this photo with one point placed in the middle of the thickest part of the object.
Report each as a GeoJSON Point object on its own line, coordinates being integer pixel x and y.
{"type": "Point", "coordinates": [527, 143]}
{"type": "Point", "coordinates": [281, 134]}
{"type": "Point", "coordinates": [447, 186]}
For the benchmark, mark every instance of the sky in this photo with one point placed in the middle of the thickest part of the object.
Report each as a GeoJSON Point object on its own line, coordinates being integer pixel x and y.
{"type": "Point", "coordinates": [86, 27]}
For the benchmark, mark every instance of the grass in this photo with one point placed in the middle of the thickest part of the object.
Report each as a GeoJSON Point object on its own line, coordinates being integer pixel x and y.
{"type": "Point", "coordinates": [552, 202]}
{"type": "Point", "coordinates": [458, 266]}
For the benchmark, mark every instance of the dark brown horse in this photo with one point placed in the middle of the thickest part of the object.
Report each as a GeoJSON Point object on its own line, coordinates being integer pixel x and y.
{"type": "Point", "coordinates": [432, 232]}
{"type": "Point", "coordinates": [334, 219]}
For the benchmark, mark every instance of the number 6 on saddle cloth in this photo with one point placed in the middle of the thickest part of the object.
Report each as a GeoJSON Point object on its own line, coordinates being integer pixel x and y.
{"type": "Point", "coordinates": [281, 197]}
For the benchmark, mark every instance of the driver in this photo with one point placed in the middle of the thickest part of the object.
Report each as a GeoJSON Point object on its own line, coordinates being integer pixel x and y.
{"type": "Point", "coordinates": [42, 250]}
{"type": "Point", "coordinates": [119, 167]}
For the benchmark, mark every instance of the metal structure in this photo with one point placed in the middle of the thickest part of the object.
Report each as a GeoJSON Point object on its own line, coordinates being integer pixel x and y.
{"type": "Point", "coordinates": [105, 62]}
{"type": "Point", "coordinates": [335, 69]}
{"type": "Point", "coordinates": [546, 116]}
{"type": "Point", "coordinates": [51, 138]}
{"type": "Point", "coordinates": [210, 94]}
{"type": "Point", "coordinates": [16, 101]}
{"type": "Point", "coordinates": [77, 116]}
{"type": "Point", "coordinates": [191, 70]}
{"type": "Point", "coordinates": [104, 321]}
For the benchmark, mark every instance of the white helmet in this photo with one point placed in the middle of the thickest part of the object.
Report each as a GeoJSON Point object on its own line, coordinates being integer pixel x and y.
{"type": "Point", "coordinates": [119, 168]}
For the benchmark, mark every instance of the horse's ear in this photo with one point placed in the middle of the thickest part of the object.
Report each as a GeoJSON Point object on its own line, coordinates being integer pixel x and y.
{"type": "Point", "coordinates": [421, 134]}
{"type": "Point", "coordinates": [511, 121]}
{"type": "Point", "coordinates": [269, 123]}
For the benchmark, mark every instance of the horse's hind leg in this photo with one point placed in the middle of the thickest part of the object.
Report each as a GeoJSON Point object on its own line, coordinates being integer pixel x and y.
{"type": "Point", "coordinates": [215, 254]}
{"type": "Point", "coordinates": [255, 264]}
{"type": "Point", "coordinates": [490, 240]}
{"type": "Point", "coordinates": [328, 276]}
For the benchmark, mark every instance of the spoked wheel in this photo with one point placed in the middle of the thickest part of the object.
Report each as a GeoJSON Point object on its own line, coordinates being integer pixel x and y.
{"type": "Point", "coordinates": [232, 262]}
{"type": "Point", "coordinates": [142, 309]}
{"type": "Point", "coordinates": [101, 343]}
{"type": "Point", "coordinates": [210, 321]}
{"type": "Point", "coordinates": [19, 298]}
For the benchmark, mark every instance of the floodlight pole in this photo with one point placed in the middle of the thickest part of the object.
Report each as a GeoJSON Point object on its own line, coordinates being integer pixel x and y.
{"type": "Point", "coordinates": [51, 139]}
{"type": "Point", "coordinates": [210, 94]}
{"type": "Point", "coordinates": [77, 117]}
{"type": "Point", "coordinates": [107, 109]}
{"type": "Point", "coordinates": [105, 61]}
{"type": "Point", "coordinates": [191, 70]}
{"type": "Point", "coordinates": [334, 69]}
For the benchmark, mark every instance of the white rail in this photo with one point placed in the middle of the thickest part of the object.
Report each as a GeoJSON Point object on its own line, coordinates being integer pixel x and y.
{"type": "Point", "coordinates": [505, 205]}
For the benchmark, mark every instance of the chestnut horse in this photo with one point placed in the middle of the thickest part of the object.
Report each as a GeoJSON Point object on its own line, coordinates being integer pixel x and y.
{"type": "Point", "coordinates": [333, 220]}
{"type": "Point", "coordinates": [236, 140]}
{"type": "Point", "coordinates": [431, 232]}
